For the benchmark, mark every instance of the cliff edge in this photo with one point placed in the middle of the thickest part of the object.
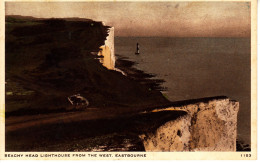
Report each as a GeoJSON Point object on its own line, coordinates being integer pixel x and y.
{"type": "Point", "coordinates": [208, 126]}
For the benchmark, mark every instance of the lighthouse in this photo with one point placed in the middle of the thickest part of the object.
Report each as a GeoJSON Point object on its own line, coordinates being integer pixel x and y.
{"type": "Point", "coordinates": [137, 49]}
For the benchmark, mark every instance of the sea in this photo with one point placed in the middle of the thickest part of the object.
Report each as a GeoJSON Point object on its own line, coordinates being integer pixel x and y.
{"type": "Point", "coordinates": [196, 68]}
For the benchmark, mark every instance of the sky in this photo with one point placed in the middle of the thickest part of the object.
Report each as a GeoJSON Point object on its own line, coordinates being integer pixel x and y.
{"type": "Point", "coordinates": [162, 19]}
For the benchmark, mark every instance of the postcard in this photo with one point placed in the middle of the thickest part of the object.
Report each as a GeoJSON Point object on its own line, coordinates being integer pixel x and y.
{"type": "Point", "coordinates": [128, 80]}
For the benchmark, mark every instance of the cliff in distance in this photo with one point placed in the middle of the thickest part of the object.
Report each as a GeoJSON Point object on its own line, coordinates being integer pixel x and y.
{"type": "Point", "coordinates": [48, 60]}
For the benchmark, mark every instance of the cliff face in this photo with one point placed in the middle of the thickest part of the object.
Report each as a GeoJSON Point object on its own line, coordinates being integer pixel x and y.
{"type": "Point", "coordinates": [107, 51]}
{"type": "Point", "coordinates": [208, 126]}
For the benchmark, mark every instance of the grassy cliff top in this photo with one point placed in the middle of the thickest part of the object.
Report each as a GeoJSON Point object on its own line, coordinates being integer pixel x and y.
{"type": "Point", "coordinates": [48, 60]}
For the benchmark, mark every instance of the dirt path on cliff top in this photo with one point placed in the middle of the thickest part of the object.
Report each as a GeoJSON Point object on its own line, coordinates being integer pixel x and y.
{"type": "Point", "coordinates": [20, 122]}
{"type": "Point", "coordinates": [14, 123]}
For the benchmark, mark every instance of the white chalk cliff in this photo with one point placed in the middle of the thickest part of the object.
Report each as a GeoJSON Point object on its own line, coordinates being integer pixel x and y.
{"type": "Point", "coordinates": [208, 126]}
{"type": "Point", "coordinates": [107, 51]}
